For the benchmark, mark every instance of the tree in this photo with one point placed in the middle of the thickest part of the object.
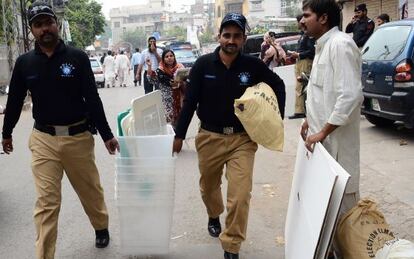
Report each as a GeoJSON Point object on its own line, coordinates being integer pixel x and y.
{"type": "Point", "coordinates": [85, 20]}
{"type": "Point", "coordinates": [207, 36]}
{"type": "Point", "coordinates": [8, 19]}
{"type": "Point", "coordinates": [137, 38]}
{"type": "Point", "coordinates": [259, 29]}
{"type": "Point", "coordinates": [293, 8]}
{"type": "Point", "coordinates": [178, 32]}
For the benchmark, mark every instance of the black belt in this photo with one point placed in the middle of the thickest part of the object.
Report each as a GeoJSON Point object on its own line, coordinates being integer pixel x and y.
{"type": "Point", "coordinates": [62, 130]}
{"type": "Point", "coordinates": [222, 130]}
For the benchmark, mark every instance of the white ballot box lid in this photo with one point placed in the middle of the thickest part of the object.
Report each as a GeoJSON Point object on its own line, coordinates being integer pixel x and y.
{"type": "Point", "coordinates": [318, 187]}
{"type": "Point", "coordinates": [148, 114]}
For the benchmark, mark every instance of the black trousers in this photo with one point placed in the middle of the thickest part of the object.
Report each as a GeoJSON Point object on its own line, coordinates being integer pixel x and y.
{"type": "Point", "coordinates": [148, 87]}
{"type": "Point", "coordinates": [135, 74]}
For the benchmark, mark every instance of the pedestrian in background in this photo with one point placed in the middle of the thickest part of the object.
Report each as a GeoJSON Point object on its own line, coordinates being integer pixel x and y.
{"type": "Point", "coordinates": [65, 105]}
{"type": "Point", "coordinates": [109, 69]}
{"type": "Point", "coordinates": [216, 80]}
{"type": "Point", "coordinates": [102, 58]}
{"type": "Point", "coordinates": [382, 18]}
{"type": "Point", "coordinates": [152, 53]}
{"type": "Point", "coordinates": [334, 93]}
{"type": "Point", "coordinates": [171, 90]}
{"type": "Point", "coordinates": [122, 68]}
{"type": "Point", "coordinates": [136, 57]}
{"type": "Point", "coordinates": [361, 26]}
{"type": "Point", "coordinates": [272, 54]}
{"type": "Point", "coordinates": [304, 58]}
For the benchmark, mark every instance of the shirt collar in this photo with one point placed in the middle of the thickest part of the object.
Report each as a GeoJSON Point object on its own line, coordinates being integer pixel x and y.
{"type": "Point", "coordinates": [59, 48]}
{"type": "Point", "coordinates": [217, 57]}
{"type": "Point", "coordinates": [325, 37]}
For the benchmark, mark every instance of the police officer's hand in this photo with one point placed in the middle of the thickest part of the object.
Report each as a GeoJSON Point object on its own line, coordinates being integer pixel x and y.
{"type": "Point", "coordinates": [354, 19]}
{"type": "Point", "coordinates": [177, 145]}
{"type": "Point", "coordinates": [112, 145]}
{"type": "Point", "coordinates": [7, 145]}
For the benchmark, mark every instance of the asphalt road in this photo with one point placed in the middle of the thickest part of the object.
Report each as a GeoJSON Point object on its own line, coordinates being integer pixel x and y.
{"type": "Point", "coordinates": [387, 165]}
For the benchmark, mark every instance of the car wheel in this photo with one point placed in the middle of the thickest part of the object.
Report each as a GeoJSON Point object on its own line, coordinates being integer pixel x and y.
{"type": "Point", "coordinates": [378, 121]}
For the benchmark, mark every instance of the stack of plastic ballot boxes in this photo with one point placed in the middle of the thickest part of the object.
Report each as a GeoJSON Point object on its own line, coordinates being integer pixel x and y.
{"type": "Point", "coordinates": [144, 181]}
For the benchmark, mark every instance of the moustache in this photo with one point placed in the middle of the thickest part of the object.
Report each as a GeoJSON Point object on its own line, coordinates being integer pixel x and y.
{"type": "Point", "coordinates": [231, 45]}
{"type": "Point", "coordinates": [47, 34]}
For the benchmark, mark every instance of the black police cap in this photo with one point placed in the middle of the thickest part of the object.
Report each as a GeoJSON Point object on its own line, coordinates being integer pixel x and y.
{"type": "Point", "coordinates": [235, 18]}
{"type": "Point", "coordinates": [39, 8]}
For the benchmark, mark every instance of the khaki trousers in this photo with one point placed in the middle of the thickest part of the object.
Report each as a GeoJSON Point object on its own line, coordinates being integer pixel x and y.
{"type": "Point", "coordinates": [305, 66]}
{"type": "Point", "coordinates": [236, 152]}
{"type": "Point", "coordinates": [51, 155]}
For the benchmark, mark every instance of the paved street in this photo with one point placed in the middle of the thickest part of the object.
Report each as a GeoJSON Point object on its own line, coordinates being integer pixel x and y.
{"type": "Point", "coordinates": [387, 163]}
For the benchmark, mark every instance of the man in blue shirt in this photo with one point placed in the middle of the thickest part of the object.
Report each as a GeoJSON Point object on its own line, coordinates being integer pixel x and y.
{"type": "Point", "coordinates": [136, 57]}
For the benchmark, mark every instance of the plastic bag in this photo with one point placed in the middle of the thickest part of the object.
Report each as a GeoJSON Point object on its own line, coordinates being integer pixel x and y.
{"type": "Point", "coordinates": [396, 249]}
{"type": "Point", "coordinates": [258, 111]}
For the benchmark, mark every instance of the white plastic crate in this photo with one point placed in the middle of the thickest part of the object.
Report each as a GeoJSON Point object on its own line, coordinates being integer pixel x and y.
{"type": "Point", "coordinates": [146, 184]}
{"type": "Point", "coordinates": [146, 193]}
{"type": "Point", "coordinates": [161, 170]}
{"type": "Point", "coordinates": [145, 230]}
{"type": "Point", "coordinates": [142, 177]}
{"type": "Point", "coordinates": [147, 146]}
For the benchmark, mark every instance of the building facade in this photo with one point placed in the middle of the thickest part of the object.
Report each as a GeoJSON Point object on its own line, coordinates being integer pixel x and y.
{"type": "Point", "coordinates": [259, 11]}
{"type": "Point", "coordinates": [396, 9]}
{"type": "Point", "coordinates": [222, 7]}
{"type": "Point", "coordinates": [149, 18]}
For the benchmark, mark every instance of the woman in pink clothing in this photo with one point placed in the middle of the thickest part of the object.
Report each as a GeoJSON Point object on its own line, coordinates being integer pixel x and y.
{"type": "Point", "coordinates": [272, 53]}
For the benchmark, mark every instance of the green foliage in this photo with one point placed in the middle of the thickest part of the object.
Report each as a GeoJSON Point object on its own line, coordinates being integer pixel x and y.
{"type": "Point", "coordinates": [259, 29]}
{"type": "Point", "coordinates": [292, 26]}
{"type": "Point", "coordinates": [85, 20]}
{"type": "Point", "coordinates": [9, 16]}
{"type": "Point", "coordinates": [207, 37]}
{"type": "Point", "coordinates": [178, 32]}
{"type": "Point", "coordinates": [1, 23]}
{"type": "Point", "coordinates": [293, 8]}
{"type": "Point", "coordinates": [137, 38]}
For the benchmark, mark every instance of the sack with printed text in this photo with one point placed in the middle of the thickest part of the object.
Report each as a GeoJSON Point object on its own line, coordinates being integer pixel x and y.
{"type": "Point", "coordinates": [363, 231]}
{"type": "Point", "coordinates": [258, 111]}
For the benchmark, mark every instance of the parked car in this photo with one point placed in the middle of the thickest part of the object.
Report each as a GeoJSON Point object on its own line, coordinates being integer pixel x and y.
{"type": "Point", "coordinates": [97, 72]}
{"type": "Point", "coordinates": [184, 52]}
{"type": "Point", "coordinates": [387, 74]}
{"type": "Point", "coordinates": [253, 43]}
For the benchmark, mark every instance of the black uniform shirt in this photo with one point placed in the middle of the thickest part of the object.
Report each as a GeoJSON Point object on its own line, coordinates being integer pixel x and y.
{"type": "Point", "coordinates": [362, 30]}
{"type": "Point", "coordinates": [306, 47]}
{"type": "Point", "coordinates": [213, 89]}
{"type": "Point", "coordinates": [62, 87]}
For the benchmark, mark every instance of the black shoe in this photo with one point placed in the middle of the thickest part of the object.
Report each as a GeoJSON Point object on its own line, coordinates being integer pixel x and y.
{"type": "Point", "coordinates": [102, 238]}
{"type": "Point", "coordinates": [214, 227]}
{"type": "Point", "coordinates": [297, 116]}
{"type": "Point", "coordinates": [228, 255]}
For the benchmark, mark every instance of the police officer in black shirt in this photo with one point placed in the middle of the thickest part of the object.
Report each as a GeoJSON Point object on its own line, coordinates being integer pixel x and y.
{"type": "Point", "coordinates": [216, 80]}
{"type": "Point", "coordinates": [65, 105]}
{"type": "Point", "coordinates": [361, 26]}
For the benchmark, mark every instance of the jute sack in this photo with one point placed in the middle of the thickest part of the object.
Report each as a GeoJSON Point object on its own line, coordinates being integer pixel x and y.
{"type": "Point", "coordinates": [363, 231]}
{"type": "Point", "coordinates": [258, 111]}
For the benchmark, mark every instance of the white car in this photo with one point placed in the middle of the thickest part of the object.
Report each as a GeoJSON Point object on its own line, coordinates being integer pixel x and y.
{"type": "Point", "coordinates": [98, 72]}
